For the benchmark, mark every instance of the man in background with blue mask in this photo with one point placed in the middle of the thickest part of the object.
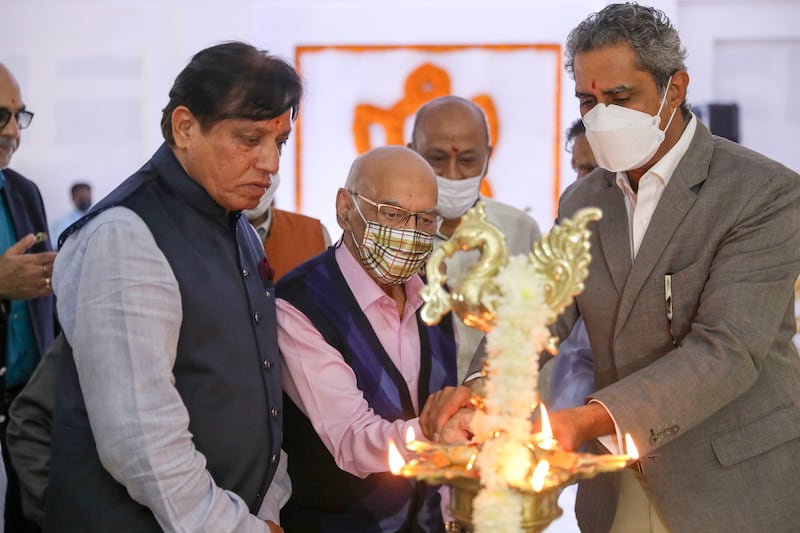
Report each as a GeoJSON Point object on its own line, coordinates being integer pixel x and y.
{"type": "Point", "coordinates": [358, 362]}
{"type": "Point", "coordinates": [689, 302]}
{"type": "Point", "coordinates": [452, 134]}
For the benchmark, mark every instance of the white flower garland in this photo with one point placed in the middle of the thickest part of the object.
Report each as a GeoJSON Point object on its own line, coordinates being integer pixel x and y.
{"type": "Point", "coordinates": [512, 373]}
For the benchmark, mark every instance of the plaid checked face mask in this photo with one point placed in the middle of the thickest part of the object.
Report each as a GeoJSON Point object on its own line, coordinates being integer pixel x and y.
{"type": "Point", "coordinates": [392, 255]}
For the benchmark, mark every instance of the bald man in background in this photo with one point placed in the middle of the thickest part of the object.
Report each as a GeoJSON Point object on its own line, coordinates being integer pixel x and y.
{"type": "Point", "coordinates": [452, 134]}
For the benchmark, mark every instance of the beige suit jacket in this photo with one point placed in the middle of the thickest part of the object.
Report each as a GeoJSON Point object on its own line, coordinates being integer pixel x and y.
{"type": "Point", "coordinates": [717, 418]}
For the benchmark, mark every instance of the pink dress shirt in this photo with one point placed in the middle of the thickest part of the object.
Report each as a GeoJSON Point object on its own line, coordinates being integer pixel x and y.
{"type": "Point", "coordinates": [323, 386]}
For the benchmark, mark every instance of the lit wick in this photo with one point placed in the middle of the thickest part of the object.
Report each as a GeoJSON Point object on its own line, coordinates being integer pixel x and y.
{"type": "Point", "coordinates": [547, 442]}
{"type": "Point", "coordinates": [396, 461]}
{"type": "Point", "coordinates": [414, 445]}
{"type": "Point", "coordinates": [630, 448]}
{"type": "Point", "coordinates": [539, 475]}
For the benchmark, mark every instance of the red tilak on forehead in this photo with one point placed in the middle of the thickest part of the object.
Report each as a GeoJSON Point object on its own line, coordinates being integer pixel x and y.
{"type": "Point", "coordinates": [455, 149]}
{"type": "Point", "coordinates": [594, 84]}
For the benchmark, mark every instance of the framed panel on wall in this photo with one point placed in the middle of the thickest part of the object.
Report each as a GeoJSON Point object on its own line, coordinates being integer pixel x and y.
{"type": "Point", "coordinates": [359, 97]}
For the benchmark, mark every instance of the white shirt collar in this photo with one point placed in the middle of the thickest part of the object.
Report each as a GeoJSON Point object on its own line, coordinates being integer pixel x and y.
{"type": "Point", "coordinates": [665, 167]}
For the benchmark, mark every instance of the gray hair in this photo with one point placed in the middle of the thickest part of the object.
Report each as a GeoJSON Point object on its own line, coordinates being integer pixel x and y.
{"type": "Point", "coordinates": [647, 30]}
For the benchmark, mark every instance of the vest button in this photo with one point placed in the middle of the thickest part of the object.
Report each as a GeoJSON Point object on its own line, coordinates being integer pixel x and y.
{"type": "Point", "coordinates": [268, 294]}
{"type": "Point", "coordinates": [245, 273]}
{"type": "Point", "coordinates": [274, 458]}
{"type": "Point", "coordinates": [274, 411]}
{"type": "Point", "coordinates": [267, 364]}
{"type": "Point", "coordinates": [257, 317]}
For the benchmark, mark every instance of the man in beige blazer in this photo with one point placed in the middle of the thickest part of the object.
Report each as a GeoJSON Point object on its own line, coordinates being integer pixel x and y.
{"type": "Point", "coordinates": [689, 302]}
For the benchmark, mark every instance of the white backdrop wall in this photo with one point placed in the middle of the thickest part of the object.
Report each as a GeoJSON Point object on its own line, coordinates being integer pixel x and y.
{"type": "Point", "coordinates": [97, 72]}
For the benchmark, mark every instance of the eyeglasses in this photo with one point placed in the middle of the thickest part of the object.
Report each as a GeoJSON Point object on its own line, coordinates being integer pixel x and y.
{"type": "Point", "coordinates": [22, 116]}
{"type": "Point", "coordinates": [394, 216]}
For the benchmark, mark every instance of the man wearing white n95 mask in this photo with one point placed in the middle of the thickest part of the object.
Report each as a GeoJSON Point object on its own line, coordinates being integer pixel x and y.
{"type": "Point", "coordinates": [689, 301]}
{"type": "Point", "coordinates": [452, 135]}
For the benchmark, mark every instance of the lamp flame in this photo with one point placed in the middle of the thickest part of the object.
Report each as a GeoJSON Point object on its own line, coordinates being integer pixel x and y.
{"type": "Point", "coordinates": [411, 435]}
{"type": "Point", "coordinates": [471, 462]}
{"type": "Point", "coordinates": [539, 475]}
{"type": "Point", "coordinates": [630, 447]}
{"type": "Point", "coordinates": [547, 431]}
{"type": "Point", "coordinates": [548, 442]}
{"type": "Point", "coordinates": [396, 461]}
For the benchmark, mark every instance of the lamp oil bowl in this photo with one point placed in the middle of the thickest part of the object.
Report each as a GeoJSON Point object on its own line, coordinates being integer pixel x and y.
{"type": "Point", "coordinates": [539, 509]}
{"type": "Point", "coordinates": [543, 467]}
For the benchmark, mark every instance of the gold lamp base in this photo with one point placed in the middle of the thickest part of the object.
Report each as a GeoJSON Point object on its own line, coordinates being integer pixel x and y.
{"type": "Point", "coordinates": [539, 509]}
{"type": "Point", "coordinates": [557, 266]}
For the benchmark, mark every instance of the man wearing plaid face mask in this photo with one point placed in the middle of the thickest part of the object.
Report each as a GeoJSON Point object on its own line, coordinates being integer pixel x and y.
{"type": "Point", "coordinates": [358, 362]}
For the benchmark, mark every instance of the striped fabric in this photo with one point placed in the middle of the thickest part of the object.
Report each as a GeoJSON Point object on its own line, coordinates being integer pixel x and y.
{"type": "Point", "coordinates": [393, 255]}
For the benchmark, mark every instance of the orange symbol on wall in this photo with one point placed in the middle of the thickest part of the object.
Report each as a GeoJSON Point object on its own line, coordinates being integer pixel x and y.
{"type": "Point", "coordinates": [425, 83]}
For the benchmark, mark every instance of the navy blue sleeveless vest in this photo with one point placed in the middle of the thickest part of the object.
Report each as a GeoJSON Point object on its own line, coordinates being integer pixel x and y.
{"type": "Point", "coordinates": [324, 497]}
{"type": "Point", "coordinates": [226, 370]}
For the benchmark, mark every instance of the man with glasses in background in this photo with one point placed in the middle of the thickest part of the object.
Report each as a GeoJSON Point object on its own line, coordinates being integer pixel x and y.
{"type": "Point", "coordinates": [358, 362]}
{"type": "Point", "coordinates": [27, 310]}
{"type": "Point", "coordinates": [582, 159]}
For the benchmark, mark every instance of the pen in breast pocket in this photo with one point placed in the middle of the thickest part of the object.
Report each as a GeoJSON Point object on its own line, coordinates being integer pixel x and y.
{"type": "Point", "coordinates": [668, 298]}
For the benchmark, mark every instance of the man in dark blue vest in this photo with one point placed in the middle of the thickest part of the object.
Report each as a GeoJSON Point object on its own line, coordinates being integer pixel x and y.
{"type": "Point", "coordinates": [359, 363]}
{"type": "Point", "coordinates": [168, 403]}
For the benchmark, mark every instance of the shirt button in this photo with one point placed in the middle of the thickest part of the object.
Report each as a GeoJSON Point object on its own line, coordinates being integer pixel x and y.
{"type": "Point", "coordinates": [245, 273]}
{"type": "Point", "coordinates": [274, 458]}
{"type": "Point", "coordinates": [268, 294]}
{"type": "Point", "coordinates": [410, 379]}
{"type": "Point", "coordinates": [257, 317]}
{"type": "Point", "coordinates": [3, 371]}
{"type": "Point", "coordinates": [267, 364]}
{"type": "Point", "coordinates": [274, 411]}
{"type": "Point", "coordinates": [2, 419]}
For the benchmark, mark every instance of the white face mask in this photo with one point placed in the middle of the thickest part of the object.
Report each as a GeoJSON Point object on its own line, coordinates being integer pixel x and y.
{"type": "Point", "coordinates": [623, 139]}
{"type": "Point", "coordinates": [266, 199]}
{"type": "Point", "coordinates": [456, 196]}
